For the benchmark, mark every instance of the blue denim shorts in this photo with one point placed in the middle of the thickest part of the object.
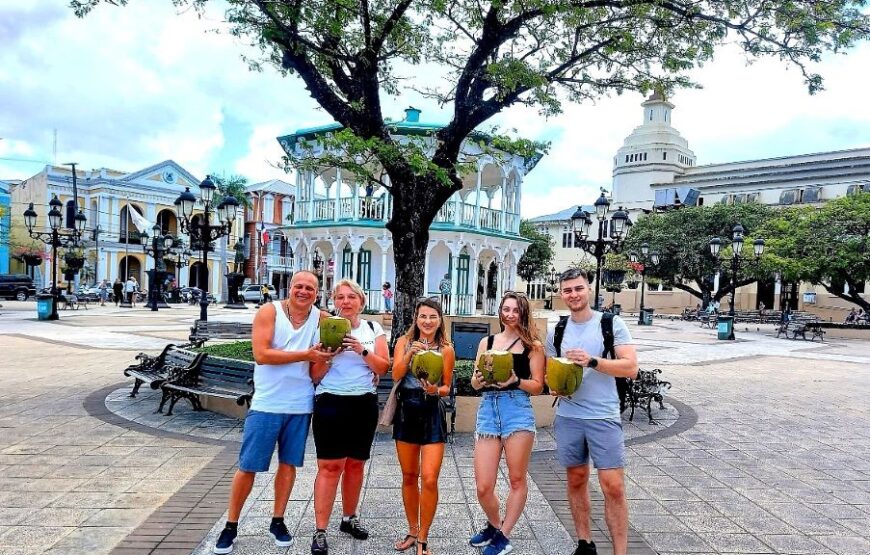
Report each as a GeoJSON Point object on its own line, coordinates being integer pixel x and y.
{"type": "Point", "coordinates": [263, 430]}
{"type": "Point", "coordinates": [502, 413]}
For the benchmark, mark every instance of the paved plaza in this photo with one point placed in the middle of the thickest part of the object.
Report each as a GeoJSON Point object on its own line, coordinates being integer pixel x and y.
{"type": "Point", "coordinates": [763, 447]}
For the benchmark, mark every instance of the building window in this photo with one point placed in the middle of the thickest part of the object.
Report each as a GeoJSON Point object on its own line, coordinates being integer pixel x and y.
{"type": "Point", "coordinates": [650, 115]}
{"type": "Point", "coordinates": [269, 209]}
{"type": "Point", "coordinates": [700, 201]}
{"type": "Point", "coordinates": [664, 155]}
{"type": "Point", "coordinates": [567, 240]}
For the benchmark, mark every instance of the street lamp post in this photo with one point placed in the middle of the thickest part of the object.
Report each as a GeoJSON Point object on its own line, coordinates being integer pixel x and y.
{"type": "Point", "coordinates": [598, 248]}
{"type": "Point", "coordinates": [736, 250]}
{"type": "Point", "coordinates": [200, 229]}
{"type": "Point", "coordinates": [57, 238]}
{"type": "Point", "coordinates": [653, 258]}
{"type": "Point", "coordinates": [553, 276]}
{"type": "Point", "coordinates": [161, 245]}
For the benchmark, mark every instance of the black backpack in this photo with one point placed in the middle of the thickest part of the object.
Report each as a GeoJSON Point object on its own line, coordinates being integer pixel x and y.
{"type": "Point", "coordinates": [622, 384]}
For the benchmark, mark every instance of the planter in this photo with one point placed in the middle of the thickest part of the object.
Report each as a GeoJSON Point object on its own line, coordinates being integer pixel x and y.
{"type": "Point", "coordinates": [466, 412]}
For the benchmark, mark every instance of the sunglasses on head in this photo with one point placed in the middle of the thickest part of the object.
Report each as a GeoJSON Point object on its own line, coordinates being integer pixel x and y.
{"type": "Point", "coordinates": [515, 294]}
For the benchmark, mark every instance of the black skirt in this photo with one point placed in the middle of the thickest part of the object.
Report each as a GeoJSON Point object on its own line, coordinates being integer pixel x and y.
{"type": "Point", "coordinates": [420, 419]}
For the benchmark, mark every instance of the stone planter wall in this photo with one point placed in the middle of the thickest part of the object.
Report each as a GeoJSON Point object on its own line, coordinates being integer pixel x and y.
{"type": "Point", "coordinates": [466, 412]}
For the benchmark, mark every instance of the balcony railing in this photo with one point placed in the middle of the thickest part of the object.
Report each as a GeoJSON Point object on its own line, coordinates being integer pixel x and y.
{"type": "Point", "coordinates": [378, 209]}
{"type": "Point", "coordinates": [280, 262]}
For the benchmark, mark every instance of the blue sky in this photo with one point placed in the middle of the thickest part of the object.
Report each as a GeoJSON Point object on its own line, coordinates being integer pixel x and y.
{"type": "Point", "coordinates": [129, 87]}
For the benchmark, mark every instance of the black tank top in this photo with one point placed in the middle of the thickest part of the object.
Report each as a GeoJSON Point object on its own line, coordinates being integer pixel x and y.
{"type": "Point", "coordinates": [521, 365]}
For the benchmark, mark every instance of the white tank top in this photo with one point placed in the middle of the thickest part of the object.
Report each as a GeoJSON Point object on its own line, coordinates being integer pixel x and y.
{"type": "Point", "coordinates": [287, 388]}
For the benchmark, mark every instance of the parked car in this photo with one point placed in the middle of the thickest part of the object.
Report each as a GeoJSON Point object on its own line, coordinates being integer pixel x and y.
{"type": "Point", "coordinates": [16, 286]}
{"type": "Point", "coordinates": [252, 292]}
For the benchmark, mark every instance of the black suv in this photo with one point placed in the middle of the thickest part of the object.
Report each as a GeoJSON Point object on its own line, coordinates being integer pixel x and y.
{"type": "Point", "coordinates": [16, 286]}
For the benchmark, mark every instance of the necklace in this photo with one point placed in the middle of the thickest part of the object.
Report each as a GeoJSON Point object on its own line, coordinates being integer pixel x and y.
{"type": "Point", "coordinates": [293, 321]}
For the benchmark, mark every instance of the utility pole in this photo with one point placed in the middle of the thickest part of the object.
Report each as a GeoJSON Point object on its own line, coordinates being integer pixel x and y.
{"type": "Point", "coordinates": [97, 231]}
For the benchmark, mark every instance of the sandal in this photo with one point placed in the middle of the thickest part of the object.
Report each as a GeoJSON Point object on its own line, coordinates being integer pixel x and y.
{"type": "Point", "coordinates": [405, 544]}
{"type": "Point", "coordinates": [422, 548]}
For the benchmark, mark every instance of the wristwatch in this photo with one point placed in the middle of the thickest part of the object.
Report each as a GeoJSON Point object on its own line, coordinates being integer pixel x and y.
{"type": "Point", "coordinates": [364, 353]}
{"type": "Point", "coordinates": [593, 362]}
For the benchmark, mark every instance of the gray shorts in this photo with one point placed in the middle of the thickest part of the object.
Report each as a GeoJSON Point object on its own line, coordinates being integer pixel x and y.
{"type": "Point", "coordinates": [577, 439]}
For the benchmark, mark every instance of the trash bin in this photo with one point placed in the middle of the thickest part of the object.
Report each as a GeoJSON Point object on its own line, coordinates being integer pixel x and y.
{"type": "Point", "coordinates": [44, 306]}
{"type": "Point", "coordinates": [725, 327]}
{"type": "Point", "coordinates": [646, 316]}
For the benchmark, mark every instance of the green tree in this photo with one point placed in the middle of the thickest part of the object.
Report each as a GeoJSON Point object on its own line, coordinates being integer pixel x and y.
{"type": "Point", "coordinates": [828, 246]}
{"type": "Point", "coordinates": [682, 238]}
{"type": "Point", "coordinates": [494, 55]}
{"type": "Point", "coordinates": [536, 261]}
{"type": "Point", "coordinates": [231, 185]}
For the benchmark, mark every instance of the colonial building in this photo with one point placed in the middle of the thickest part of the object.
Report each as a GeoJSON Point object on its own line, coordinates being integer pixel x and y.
{"type": "Point", "coordinates": [656, 168]}
{"type": "Point", "coordinates": [338, 226]}
{"type": "Point", "coordinates": [108, 199]}
{"type": "Point", "coordinates": [269, 258]}
{"type": "Point", "coordinates": [5, 223]}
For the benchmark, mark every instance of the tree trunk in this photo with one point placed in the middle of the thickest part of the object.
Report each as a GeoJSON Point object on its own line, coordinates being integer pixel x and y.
{"type": "Point", "coordinates": [409, 253]}
{"type": "Point", "coordinates": [851, 297]}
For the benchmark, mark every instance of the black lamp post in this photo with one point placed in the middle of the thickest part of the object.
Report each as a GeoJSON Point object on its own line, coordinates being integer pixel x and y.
{"type": "Point", "coordinates": [553, 276]}
{"type": "Point", "coordinates": [653, 258]}
{"type": "Point", "coordinates": [161, 245]}
{"type": "Point", "coordinates": [57, 238]}
{"type": "Point", "coordinates": [182, 256]}
{"type": "Point", "coordinates": [201, 231]}
{"type": "Point", "coordinates": [581, 222]}
{"type": "Point", "coordinates": [736, 250]}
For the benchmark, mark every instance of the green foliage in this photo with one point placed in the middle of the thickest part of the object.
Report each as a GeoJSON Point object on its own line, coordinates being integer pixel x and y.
{"type": "Point", "coordinates": [682, 239]}
{"type": "Point", "coordinates": [239, 350]}
{"type": "Point", "coordinates": [828, 246]}
{"type": "Point", "coordinates": [231, 185]}
{"type": "Point", "coordinates": [463, 371]}
{"type": "Point", "coordinates": [617, 262]}
{"type": "Point", "coordinates": [536, 261]}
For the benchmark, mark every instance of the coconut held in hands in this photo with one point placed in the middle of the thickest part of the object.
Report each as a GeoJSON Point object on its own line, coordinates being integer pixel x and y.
{"type": "Point", "coordinates": [496, 366]}
{"type": "Point", "coordinates": [429, 366]}
{"type": "Point", "coordinates": [563, 376]}
{"type": "Point", "coordinates": [332, 332]}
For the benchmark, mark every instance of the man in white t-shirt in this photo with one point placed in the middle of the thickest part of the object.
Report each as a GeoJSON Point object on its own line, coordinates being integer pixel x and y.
{"type": "Point", "coordinates": [588, 423]}
{"type": "Point", "coordinates": [285, 343]}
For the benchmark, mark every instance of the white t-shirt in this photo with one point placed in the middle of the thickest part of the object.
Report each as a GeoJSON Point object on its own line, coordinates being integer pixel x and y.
{"type": "Point", "coordinates": [349, 373]}
{"type": "Point", "coordinates": [596, 398]}
{"type": "Point", "coordinates": [287, 388]}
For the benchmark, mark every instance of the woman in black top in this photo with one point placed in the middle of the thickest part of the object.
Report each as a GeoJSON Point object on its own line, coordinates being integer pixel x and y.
{"type": "Point", "coordinates": [419, 425]}
{"type": "Point", "coordinates": [506, 421]}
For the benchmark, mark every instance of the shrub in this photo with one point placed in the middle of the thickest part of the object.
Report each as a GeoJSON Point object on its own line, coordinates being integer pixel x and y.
{"type": "Point", "coordinates": [239, 350]}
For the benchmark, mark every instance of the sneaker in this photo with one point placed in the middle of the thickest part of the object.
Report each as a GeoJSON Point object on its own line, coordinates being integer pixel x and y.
{"type": "Point", "coordinates": [319, 545]}
{"type": "Point", "coordinates": [482, 538]}
{"type": "Point", "coordinates": [499, 545]}
{"type": "Point", "coordinates": [352, 526]}
{"type": "Point", "coordinates": [225, 542]}
{"type": "Point", "coordinates": [279, 531]}
{"type": "Point", "coordinates": [585, 548]}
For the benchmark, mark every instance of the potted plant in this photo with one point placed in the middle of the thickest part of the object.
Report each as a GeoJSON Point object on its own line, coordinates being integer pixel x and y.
{"type": "Point", "coordinates": [614, 269]}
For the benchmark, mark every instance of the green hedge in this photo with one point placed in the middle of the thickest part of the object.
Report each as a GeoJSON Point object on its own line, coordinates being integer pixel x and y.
{"type": "Point", "coordinates": [240, 350]}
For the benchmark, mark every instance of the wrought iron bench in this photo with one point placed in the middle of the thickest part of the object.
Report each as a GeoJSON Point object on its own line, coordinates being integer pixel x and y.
{"type": "Point", "coordinates": [201, 331]}
{"type": "Point", "coordinates": [647, 387]}
{"type": "Point", "coordinates": [813, 328]}
{"type": "Point", "coordinates": [153, 370]}
{"type": "Point", "coordinates": [219, 377]}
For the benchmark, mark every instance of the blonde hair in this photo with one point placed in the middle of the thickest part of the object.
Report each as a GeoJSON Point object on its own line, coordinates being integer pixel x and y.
{"type": "Point", "coordinates": [354, 286]}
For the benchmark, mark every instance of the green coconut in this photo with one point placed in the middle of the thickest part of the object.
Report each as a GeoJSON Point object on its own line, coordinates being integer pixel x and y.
{"type": "Point", "coordinates": [563, 376]}
{"type": "Point", "coordinates": [428, 365]}
{"type": "Point", "coordinates": [496, 366]}
{"type": "Point", "coordinates": [332, 331]}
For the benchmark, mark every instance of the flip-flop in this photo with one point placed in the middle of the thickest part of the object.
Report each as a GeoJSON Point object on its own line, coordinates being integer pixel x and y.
{"type": "Point", "coordinates": [407, 543]}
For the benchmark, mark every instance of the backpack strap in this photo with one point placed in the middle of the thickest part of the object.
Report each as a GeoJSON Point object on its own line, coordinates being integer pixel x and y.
{"type": "Point", "coordinates": [607, 333]}
{"type": "Point", "coordinates": [559, 333]}
{"type": "Point", "coordinates": [371, 324]}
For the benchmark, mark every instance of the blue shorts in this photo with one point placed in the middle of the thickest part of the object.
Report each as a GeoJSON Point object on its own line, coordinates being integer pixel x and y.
{"type": "Point", "coordinates": [502, 413]}
{"type": "Point", "coordinates": [265, 429]}
{"type": "Point", "coordinates": [578, 439]}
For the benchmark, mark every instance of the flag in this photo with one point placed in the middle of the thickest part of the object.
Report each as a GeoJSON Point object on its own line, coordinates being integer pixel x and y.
{"type": "Point", "coordinates": [265, 236]}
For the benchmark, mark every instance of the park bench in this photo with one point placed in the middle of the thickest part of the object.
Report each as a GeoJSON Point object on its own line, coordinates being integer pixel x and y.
{"type": "Point", "coordinates": [201, 331]}
{"type": "Point", "coordinates": [153, 370]}
{"type": "Point", "coordinates": [73, 302]}
{"type": "Point", "coordinates": [813, 328]}
{"type": "Point", "coordinates": [218, 377]}
{"type": "Point", "coordinates": [708, 320]}
{"type": "Point", "coordinates": [647, 387]}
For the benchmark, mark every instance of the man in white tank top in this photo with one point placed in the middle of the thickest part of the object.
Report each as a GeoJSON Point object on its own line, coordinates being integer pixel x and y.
{"type": "Point", "coordinates": [285, 343]}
